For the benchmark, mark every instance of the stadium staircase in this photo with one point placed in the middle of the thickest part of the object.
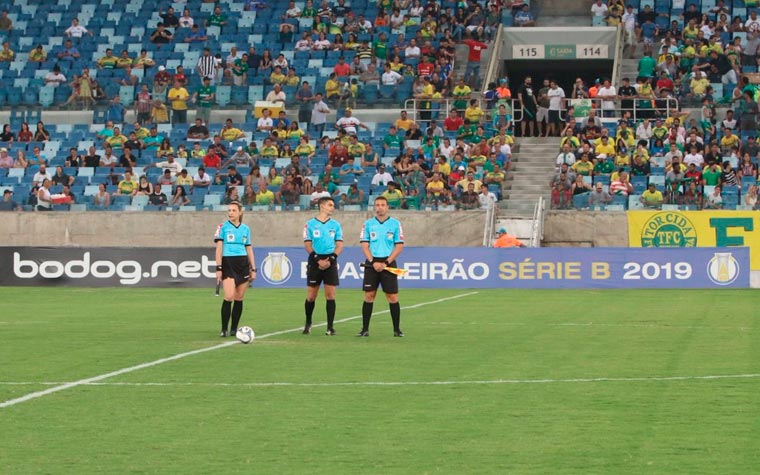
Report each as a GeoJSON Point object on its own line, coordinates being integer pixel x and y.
{"type": "Point", "coordinates": [532, 169]}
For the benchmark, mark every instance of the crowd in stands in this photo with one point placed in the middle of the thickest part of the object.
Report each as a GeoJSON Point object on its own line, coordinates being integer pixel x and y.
{"type": "Point", "coordinates": [636, 148]}
{"type": "Point", "coordinates": [316, 57]}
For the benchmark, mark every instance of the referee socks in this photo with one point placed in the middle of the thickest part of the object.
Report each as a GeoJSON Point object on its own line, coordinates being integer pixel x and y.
{"type": "Point", "coordinates": [309, 308]}
{"type": "Point", "coordinates": [366, 315]}
{"type": "Point", "coordinates": [226, 312]}
{"type": "Point", "coordinates": [396, 315]}
{"type": "Point", "coordinates": [237, 312]}
{"type": "Point", "coordinates": [330, 307]}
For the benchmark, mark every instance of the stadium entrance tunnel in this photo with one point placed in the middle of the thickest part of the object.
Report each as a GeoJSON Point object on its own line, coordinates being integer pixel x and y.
{"type": "Point", "coordinates": [564, 72]}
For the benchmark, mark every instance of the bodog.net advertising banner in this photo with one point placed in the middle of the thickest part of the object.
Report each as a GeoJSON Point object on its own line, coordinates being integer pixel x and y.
{"type": "Point", "coordinates": [427, 267]}
{"type": "Point", "coordinates": [696, 229]}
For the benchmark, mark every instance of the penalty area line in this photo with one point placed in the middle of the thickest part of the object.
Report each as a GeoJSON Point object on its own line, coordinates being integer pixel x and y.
{"type": "Point", "coordinates": [409, 383]}
{"type": "Point", "coordinates": [96, 379]}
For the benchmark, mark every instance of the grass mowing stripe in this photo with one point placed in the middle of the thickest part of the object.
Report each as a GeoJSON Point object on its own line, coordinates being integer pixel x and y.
{"type": "Point", "coordinates": [130, 369]}
{"type": "Point", "coordinates": [408, 383]}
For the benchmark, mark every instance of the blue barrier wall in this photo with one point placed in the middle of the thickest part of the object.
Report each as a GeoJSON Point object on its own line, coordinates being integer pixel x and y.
{"type": "Point", "coordinates": [285, 267]}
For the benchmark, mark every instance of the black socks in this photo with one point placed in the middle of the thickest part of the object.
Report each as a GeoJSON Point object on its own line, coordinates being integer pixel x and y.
{"type": "Point", "coordinates": [237, 311]}
{"type": "Point", "coordinates": [330, 307]}
{"type": "Point", "coordinates": [395, 315]}
{"type": "Point", "coordinates": [309, 307]}
{"type": "Point", "coordinates": [366, 315]}
{"type": "Point", "coordinates": [226, 312]}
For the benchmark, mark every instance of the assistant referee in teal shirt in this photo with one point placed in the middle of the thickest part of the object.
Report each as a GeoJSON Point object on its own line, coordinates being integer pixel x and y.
{"type": "Point", "coordinates": [323, 240]}
{"type": "Point", "coordinates": [382, 240]}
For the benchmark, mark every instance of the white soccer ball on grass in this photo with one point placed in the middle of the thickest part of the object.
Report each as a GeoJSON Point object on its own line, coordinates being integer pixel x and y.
{"type": "Point", "coordinates": [245, 335]}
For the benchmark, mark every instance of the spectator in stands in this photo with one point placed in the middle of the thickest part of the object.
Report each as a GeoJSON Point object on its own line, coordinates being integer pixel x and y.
{"type": "Point", "coordinates": [143, 61]}
{"type": "Point", "coordinates": [599, 196]}
{"type": "Point", "coordinates": [6, 54]}
{"type": "Point", "coordinates": [101, 199]}
{"type": "Point", "coordinates": [159, 113]}
{"type": "Point", "coordinates": [230, 133]}
{"type": "Point", "coordinates": [556, 97]}
{"type": "Point", "coordinates": [69, 52]}
{"type": "Point", "coordinates": [524, 17]}
{"type": "Point", "coordinates": [6, 24]}
{"type": "Point", "coordinates": [37, 55]}
{"type": "Point", "coordinates": [169, 19]}
{"type": "Point", "coordinates": [178, 96]}
{"type": "Point", "coordinates": [276, 94]}
{"type": "Point", "coordinates": [180, 197]}
{"type": "Point", "coordinates": [6, 161]}
{"type": "Point", "coordinates": [198, 131]}
{"type": "Point", "coordinates": [486, 198]}
{"type": "Point", "coordinates": [127, 186]}
{"type": "Point", "coordinates": [652, 197]}
{"type": "Point", "coordinates": [76, 30]}
{"type": "Point", "coordinates": [143, 104]}
{"type": "Point", "coordinates": [472, 71]}
{"type": "Point", "coordinates": [8, 203]}
{"type": "Point", "coordinates": [370, 77]}
{"type": "Point", "coordinates": [561, 196]}
{"type": "Point", "coordinates": [7, 134]}
{"type": "Point", "coordinates": [24, 134]}
{"type": "Point", "coordinates": [161, 35]}
{"type": "Point", "coordinates": [196, 35]}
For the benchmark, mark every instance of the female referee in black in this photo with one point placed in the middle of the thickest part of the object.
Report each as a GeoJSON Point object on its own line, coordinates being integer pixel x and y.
{"type": "Point", "coordinates": [235, 265]}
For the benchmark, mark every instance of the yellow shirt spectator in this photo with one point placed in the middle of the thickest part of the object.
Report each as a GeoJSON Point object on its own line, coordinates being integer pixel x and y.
{"type": "Point", "coordinates": [331, 88]}
{"type": "Point", "coordinates": [179, 97]}
{"type": "Point", "coordinates": [159, 113]}
{"type": "Point", "coordinates": [108, 62]}
{"type": "Point", "coordinates": [124, 61]}
{"type": "Point", "coordinates": [583, 168]}
{"type": "Point", "coordinates": [270, 151]}
{"type": "Point", "coordinates": [304, 150]}
{"type": "Point", "coordinates": [116, 141]}
{"type": "Point", "coordinates": [727, 142]}
{"type": "Point", "coordinates": [37, 55]}
{"type": "Point", "coordinates": [7, 55]}
{"type": "Point", "coordinates": [231, 133]}
{"type": "Point", "coordinates": [265, 197]}
{"type": "Point", "coordinates": [473, 114]}
{"type": "Point", "coordinates": [126, 187]}
{"type": "Point", "coordinates": [607, 149]}
{"type": "Point", "coordinates": [622, 160]}
{"type": "Point", "coordinates": [699, 86]}
{"type": "Point", "coordinates": [356, 149]}
{"type": "Point", "coordinates": [277, 78]}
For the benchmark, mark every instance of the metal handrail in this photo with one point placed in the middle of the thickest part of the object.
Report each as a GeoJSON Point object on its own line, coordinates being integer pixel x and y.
{"type": "Point", "coordinates": [537, 230]}
{"type": "Point", "coordinates": [445, 105]}
{"type": "Point", "coordinates": [671, 104]}
{"type": "Point", "coordinates": [493, 64]}
{"type": "Point", "coordinates": [489, 225]}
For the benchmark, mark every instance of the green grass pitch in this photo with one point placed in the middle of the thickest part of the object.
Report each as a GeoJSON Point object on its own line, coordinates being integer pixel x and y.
{"type": "Point", "coordinates": [494, 382]}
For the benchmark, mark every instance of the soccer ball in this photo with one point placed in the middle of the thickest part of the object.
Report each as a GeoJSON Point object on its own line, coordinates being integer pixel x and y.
{"type": "Point", "coordinates": [245, 335]}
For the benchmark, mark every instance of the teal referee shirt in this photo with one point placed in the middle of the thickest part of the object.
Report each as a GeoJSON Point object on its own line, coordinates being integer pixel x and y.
{"type": "Point", "coordinates": [235, 238]}
{"type": "Point", "coordinates": [382, 236]}
{"type": "Point", "coordinates": [323, 235]}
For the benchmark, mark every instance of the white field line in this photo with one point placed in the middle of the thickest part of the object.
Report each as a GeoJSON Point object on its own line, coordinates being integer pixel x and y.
{"type": "Point", "coordinates": [592, 324]}
{"type": "Point", "coordinates": [410, 383]}
{"type": "Point", "coordinates": [130, 369]}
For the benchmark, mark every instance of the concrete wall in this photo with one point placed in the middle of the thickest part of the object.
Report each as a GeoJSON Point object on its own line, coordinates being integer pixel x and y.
{"type": "Point", "coordinates": [564, 7]}
{"type": "Point", "coordinates": [190, 229]}
{"type": "Point", "coordinates": [585, 229]}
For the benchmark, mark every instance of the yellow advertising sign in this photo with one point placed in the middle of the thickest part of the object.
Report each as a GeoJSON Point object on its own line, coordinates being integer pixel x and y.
{"type": "Point", "coordinates": [696, 229]}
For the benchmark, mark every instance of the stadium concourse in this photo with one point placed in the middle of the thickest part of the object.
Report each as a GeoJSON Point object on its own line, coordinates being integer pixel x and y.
{"type": "Point", "coordinates": [73, 73]}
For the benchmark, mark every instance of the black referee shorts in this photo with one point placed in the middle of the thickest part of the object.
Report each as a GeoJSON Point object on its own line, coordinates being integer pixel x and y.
{"type": "Point", "coordinates": [316, 276]}
{"type": "Point", "coordinates": [374, 279]}
{"type": "Point", "coordinates": [236, 267]}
